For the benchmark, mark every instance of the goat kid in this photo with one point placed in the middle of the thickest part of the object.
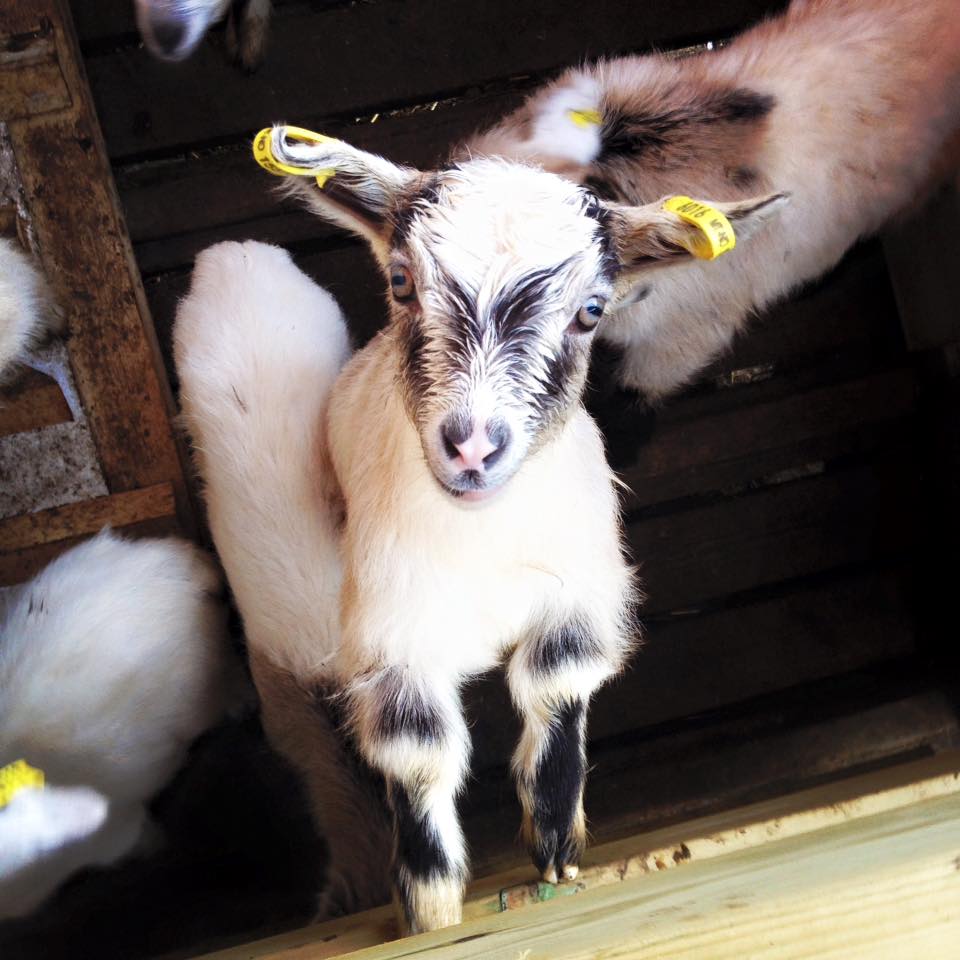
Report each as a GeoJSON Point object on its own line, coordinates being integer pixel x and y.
{"type": "Point", "coordinates": [850, 106]}
{"type": "Point", "coordinates": [172, 29]}
{"type": "Point", "coordinates": [258, 346]}
{"type": "Point", "coordinates": [112, 660]}
{"type": "Point", "coordinates": [482, 522]}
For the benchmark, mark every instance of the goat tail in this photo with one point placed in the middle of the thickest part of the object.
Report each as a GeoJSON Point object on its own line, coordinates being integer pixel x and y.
{"type": "Point", "coordinates": [258, 346]}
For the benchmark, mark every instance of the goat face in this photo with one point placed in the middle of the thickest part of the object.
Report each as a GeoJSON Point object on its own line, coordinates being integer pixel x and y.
{"type": "Point", "coordinates": [171, 29]}
{"type": "Point", "coordinates": [499, 275]}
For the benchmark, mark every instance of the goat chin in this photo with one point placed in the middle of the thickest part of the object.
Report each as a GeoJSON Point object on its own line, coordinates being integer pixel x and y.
{"type": "Point", "coordinates": [258, 347]}
{"type": "Point", "coordinates": [112, 660]}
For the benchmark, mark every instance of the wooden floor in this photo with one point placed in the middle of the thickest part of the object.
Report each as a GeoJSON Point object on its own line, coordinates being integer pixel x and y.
{"type": "Point", "coordinates": [790, 513]}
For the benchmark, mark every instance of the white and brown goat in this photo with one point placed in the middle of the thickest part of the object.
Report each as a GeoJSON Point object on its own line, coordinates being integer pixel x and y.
{"type": "Point", "coordinates": [481, 519]}
{"type": "Point", "coordinates": [850, 106]}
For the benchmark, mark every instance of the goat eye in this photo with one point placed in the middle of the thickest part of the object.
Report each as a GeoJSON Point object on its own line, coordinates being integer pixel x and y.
{"type": "Point", "coordinates": [588, 316]}
{"type": "Point", "coordinates": [401, 282]}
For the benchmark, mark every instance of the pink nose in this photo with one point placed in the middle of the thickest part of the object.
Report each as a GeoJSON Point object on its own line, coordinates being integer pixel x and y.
{"type": "Point", "coordinates": [474, 446]}
{"type": "Point", "coordinates": [474, 450]}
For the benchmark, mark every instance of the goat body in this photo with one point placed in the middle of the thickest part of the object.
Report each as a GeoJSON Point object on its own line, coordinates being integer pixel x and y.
{"type": "Point", "coordinates": [112, 660]}
{"type": "Point", "coordinates": [258, 346]}
{"type": "Point", "coordinates": [850, 107]}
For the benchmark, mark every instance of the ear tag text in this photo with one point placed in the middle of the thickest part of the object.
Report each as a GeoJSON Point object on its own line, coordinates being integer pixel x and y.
{"type": "Point", "coordinates": [18, 776]}
{"type": "Point", "coordinates": [263, 154]}
{"type": "Point", "coordinates": [716, 235]}
{"type": "Point", "coordinates": [585, 118]}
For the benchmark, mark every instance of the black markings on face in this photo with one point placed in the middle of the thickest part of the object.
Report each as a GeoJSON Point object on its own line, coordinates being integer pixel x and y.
{"type": "Point", "coordinates": [557, 789]}
{"type": "Point", "coordinates": [564, 646]}
{"type": "Point", "coordinates": [402, 710]}
{"type": "Point", "coordinates": [419, 850]}
{"type": "Point", "coordinates": [414, 204]}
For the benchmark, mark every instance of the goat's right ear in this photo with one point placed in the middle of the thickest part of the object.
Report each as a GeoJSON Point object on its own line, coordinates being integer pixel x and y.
{"type": "Point", "coordinates": [353, 188]}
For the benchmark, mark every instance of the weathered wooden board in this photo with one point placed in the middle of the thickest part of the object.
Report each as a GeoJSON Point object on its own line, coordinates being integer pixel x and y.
{"type": "Point", "coordinates": [777, 533]}
{"type": "Point", "coordinates": [87, 257]}
{"type": "Point", "coordinates": [350, 60]}
{"type": "Point", "coordinates": [753, 834]}
{"type": "Point", "coordinates": [32, 401]}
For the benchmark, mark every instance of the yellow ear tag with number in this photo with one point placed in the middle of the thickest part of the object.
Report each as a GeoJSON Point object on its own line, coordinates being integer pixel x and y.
{"type": "Point", "coordinates": [585, 118]}
{"type": "Point", "coordinates": [263, 154]}
{"type": "Point", "coordinates": [716, 234]}
{"type": "Point", "coordinates": [18, 776]}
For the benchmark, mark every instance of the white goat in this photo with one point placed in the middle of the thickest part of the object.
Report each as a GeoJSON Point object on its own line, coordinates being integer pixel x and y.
{"type": "Point", "coordinates": [850, 106]}
{"type": "Point", "coordinates": [172, 29]}
{"type": "Point", "coordinates": [27, 311]}
{"type": "Point", "coordinates": [112, 660]}
{"type": "Point", "coordinates": [258, 346]}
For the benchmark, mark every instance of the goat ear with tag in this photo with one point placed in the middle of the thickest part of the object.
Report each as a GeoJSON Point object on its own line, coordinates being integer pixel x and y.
{"type": "Point", "coordinates": [678, 228]}
{"type": "Point", "coordinates": [353, 188]}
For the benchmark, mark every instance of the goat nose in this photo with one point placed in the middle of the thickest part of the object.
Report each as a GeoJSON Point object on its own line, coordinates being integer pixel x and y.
{"type": "Point", "coordinates": [474, 446]}
{"type": "Point", "coordinates": [169, 33]}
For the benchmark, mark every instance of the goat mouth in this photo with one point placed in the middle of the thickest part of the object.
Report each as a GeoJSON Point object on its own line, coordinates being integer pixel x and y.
{"type": "Point", "coordinates": [472, 494]}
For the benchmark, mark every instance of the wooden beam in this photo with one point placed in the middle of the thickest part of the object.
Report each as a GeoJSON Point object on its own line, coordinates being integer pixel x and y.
{"type": "Point", "coordinates": [86, 253]}
{"type": "Point", "coordinates": [32, 401]}
{"type": "Point", "coordinates": [750, 881]}
{"type": "Point", "coordinates": [28, 542]}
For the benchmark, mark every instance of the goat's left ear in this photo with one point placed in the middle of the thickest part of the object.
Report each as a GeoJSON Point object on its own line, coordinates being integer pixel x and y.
{"type": "Point", "coordinates": [353, 188]}
{"type": "Point", "coordinates": [650, 235]}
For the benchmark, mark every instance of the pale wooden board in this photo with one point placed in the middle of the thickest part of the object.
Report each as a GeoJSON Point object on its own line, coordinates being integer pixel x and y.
{"type": "Point", "coordinates": [753, 872]}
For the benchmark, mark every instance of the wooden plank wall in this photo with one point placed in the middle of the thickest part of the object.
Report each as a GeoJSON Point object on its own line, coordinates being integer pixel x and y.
{"type": "Point", "coordinates": [773, 512]}
{"type": "Point", "coordinates": [779, 513]}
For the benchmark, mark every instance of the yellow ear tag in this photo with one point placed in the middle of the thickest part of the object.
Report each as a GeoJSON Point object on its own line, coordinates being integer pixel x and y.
{"type": "Point", "coordinates": [716, 234]}
{"type": "Point", "coordinates": [585, 118]}
{"type": "Point", "coordinates": [15, 777]}
{"type": "Point", "coordinates": [263, 154]}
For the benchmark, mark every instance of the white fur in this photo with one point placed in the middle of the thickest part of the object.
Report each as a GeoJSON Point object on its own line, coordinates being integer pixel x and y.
{"type": "Point", "coordinates": [258, 346]}
{"type": "Point", "coordinates": [26, 309]}
{"type": "Point", "coordinates": [112, 660]}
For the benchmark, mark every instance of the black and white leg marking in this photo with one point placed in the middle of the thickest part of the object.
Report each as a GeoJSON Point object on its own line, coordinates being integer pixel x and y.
{"type": "Point", "coordinates": [414, 733]}
{"type": "Point", "coordinates": [551, 678]}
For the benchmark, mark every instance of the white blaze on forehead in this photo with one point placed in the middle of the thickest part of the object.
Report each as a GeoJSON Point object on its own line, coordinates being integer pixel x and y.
{"type": "Point", "coordinates": [505, 218]}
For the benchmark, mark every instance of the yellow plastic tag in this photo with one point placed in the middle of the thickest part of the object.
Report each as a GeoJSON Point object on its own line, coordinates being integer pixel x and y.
{"type": "Point", "coordinates": [263, 154]}
{"type": "Point", "coordinates": [716, 234]}
{"type": "Point", "coordinates": [586, 118]}
{"type": "Point", "coordinates": [15, 777]}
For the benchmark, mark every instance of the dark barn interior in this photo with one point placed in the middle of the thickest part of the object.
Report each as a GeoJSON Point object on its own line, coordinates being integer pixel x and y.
{"type": "Point", "coordinates": [794, 513]}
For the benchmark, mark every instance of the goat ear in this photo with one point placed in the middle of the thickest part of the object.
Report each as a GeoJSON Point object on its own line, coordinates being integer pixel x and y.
{"type": "Point", "coordinates": [651, 235]}
{"type": "Point", "coordinates": [353, 188]}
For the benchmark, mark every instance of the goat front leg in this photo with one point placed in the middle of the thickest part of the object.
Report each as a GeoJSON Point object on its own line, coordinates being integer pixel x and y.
{"type": "Point", "coordinates": [551, 678]}
{"type": "Point", "coordinates": [411, 729]}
